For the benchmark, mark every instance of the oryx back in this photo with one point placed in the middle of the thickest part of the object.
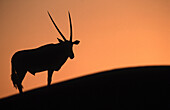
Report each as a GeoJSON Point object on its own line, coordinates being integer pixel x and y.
{"type": "Point", "coordinates": [51, 56]}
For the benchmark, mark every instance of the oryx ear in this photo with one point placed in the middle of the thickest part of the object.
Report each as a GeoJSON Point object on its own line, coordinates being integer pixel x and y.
{"type": "Point", "coordinates": [60, 40]}
{"type": "Point", "coordinates": [76, 42]}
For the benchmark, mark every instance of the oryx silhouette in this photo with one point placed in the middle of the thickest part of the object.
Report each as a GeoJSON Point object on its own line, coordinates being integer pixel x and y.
{"type": "Point", "coordinates": [49, 57]}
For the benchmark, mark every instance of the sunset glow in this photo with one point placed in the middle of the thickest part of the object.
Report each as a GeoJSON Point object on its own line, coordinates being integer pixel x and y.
{"type": "Point", "coordinates": [112, 33]}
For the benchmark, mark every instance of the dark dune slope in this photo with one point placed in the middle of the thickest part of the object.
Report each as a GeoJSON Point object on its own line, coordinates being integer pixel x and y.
{"type": "Point", "coordinates": [137, 88]}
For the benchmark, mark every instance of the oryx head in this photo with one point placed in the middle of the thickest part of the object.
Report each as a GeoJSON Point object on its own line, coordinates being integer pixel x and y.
{"type": "Point", "coordinates": [68, 43]}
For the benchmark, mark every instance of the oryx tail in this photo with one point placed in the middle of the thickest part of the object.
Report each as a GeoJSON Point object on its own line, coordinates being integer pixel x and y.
{"type": "Point", "coordinates": [14, 76]}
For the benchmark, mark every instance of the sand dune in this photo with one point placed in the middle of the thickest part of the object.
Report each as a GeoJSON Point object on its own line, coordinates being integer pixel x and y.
{"type": "Point", "coordinates": [138, 88]}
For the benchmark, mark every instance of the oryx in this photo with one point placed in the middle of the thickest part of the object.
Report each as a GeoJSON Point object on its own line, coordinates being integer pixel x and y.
{"type": "Point", "coordinates": [48, 57]}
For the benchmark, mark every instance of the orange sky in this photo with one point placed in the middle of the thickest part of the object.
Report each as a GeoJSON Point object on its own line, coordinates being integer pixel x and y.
{"type": "Point", "coordinates": [113, 34]}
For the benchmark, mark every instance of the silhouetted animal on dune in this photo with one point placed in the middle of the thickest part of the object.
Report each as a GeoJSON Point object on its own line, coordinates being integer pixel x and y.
{"type": "Point", "coordinates": [49, 57]}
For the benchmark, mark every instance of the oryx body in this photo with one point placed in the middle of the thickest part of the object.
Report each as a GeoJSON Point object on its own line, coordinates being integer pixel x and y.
{"type": "Point", "coordinates": [49, 57]}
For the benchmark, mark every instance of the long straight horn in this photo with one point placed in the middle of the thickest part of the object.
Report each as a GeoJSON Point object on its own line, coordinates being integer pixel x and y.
{"type": "Point", "coordinates": [56, 27]}
{"type": "Point", "coordinates": [70, 27]}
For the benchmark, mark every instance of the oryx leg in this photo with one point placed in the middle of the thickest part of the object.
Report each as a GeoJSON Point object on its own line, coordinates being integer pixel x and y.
{"type": "Point", "coordinates": [21, 75]}
{"type": "Point", "coordinates": [50, 73]}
